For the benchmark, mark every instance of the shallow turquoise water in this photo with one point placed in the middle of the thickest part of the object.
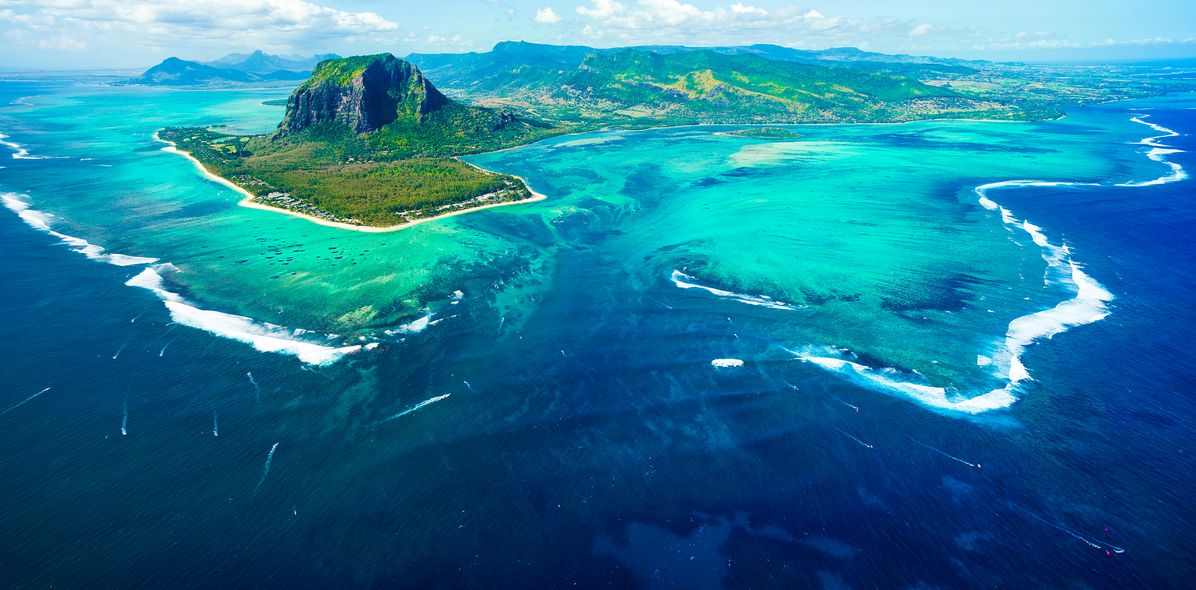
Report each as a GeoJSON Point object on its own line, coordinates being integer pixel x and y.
{"type": "Point", "coordinates": [586, 437]}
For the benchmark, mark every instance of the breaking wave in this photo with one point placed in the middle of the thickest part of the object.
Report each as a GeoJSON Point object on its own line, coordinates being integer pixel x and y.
{"type": "Point", "coordinates": [684, 281]}
{"type": "Point", "coordinates": [262, 336]}
{"type": "Point", "coordinates": [1088, 304]}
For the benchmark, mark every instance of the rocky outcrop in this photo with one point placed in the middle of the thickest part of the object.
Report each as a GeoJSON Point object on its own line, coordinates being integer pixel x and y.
{"type": "Point", "coordinates": [363, 94]}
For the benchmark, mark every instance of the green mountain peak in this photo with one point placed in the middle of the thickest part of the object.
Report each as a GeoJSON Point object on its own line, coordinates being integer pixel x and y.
{"type": "Point", "coordinates": [362, 93]}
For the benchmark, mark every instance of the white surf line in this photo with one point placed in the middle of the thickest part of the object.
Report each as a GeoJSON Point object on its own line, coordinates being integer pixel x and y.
{"type": "Point", "coordinates": [1158, 153]}
{"type": "Point", "coordinates": [1088, 305]}
{"type": "Point", "coordinates": [265, 470]}
{"type": "Point", "coordinates": [947, 455]}
{"type": "Point", "coordinates": [684, 281]}
{"type": "Point", "coordinates": [416, 407]}
{"type": "Point", "coordinates": [24, 401]}
{"type": "Point", "coordinates": [42, 222]}
{"type": "Point", "coordinates": [862, 443]}
{"type": "Point", "coordinates": [1107, 547]}
{"type": "Point", "coordinates": [18, 151]}
{"type": "Point", "coordinates": [262, 336]}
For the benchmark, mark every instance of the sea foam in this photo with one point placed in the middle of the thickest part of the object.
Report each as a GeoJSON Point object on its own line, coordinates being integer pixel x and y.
{"type": "Point", "coordinates": [1088, 304]}
{"type": "Point", "coordinates": [42, 221]}
{"type": "Point", "coordinates": [19, 151]}
{"type": "Point", "coordinates": [262, 336]}
{"type": "Point", "coordinates": [684, 281]}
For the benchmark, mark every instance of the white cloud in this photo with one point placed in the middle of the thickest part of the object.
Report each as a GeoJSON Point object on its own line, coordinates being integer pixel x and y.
{"type": "Point", "coordinates": [280, 24]}
{"type": "Point", "coordinates": [547, 15]}
{"type": "Point", "coordinates": [921, 30]}
{"type": "Point", "coordinates": [652, 21]}
{"type": "Point", "coordinates": [739, 8]}
{"type": "Point", "coordinates": [601, 9]}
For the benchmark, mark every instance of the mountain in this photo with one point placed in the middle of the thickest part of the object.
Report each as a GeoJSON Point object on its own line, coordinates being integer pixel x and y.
{"type": "Point", "coordinates": [235, 68]}
{"type": "Point", "coordinates": [368, 140]}
{"type": "Point", "coordinates": [260, 62]}
{"type": "Point", "coordinates": [364, 93]}
{"type": "Point", "coordinates": [750, 84]}
{"type": "Point", "coordinates": [369, 104]}
{"type": "Point", "coordinates": [179, 72]}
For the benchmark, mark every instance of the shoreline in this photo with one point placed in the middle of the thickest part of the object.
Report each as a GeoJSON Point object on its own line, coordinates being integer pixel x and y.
{"type": "Point", "coordinates": [249, 201]}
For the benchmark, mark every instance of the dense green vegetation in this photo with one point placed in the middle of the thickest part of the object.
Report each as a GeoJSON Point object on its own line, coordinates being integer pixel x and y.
{"type": "Point", "coordinates": [763, 133]}
{"type": "Point", "coordinates": [313, 178]}
{"type": "Point", "coordinates": [768, 84]}
{"type": "Point", "coordinates": [756, 84]}
{"type": "Point", "coordinates": [401, 170]}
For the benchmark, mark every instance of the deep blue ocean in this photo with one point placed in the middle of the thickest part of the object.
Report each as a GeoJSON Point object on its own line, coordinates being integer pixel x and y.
{"type": "Point", "coordinates": [597, 449]}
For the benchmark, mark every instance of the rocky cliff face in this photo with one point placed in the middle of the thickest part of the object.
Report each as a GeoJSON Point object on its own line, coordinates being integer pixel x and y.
{"type": "Point", "coordinates": [362, 93]}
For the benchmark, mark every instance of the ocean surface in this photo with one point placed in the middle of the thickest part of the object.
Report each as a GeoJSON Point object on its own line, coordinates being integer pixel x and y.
{"type": "Point", "coordinates": [929, 355]}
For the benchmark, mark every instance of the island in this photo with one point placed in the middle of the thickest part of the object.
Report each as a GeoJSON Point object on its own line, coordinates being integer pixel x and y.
{"type": "Point", "coordinates": [368, 143]}
{"type": "Point", "coordinates": [777, 133]}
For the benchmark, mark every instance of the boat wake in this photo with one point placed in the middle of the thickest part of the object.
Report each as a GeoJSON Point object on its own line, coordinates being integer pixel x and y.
{"type": "Point", "coordinates": [1088, 304]}
{"type": "Point", "coordinates": [262, 336]}
{"type": "Point", "coordinates": [416, 407]}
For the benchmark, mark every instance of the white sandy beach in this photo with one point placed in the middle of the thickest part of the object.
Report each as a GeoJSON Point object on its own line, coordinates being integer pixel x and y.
{"type": "Point", "coordinates": [250, 202]}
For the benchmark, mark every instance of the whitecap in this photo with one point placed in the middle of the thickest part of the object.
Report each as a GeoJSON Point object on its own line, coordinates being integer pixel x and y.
{"type": "Point", "coordinates": [1088, 304]}
{"type": "Point", "coordinates": [42, 221]}
{"type": "Point", "coordinates": [416, 326]}
{"type": "Point", "coordinates": [684, 281]}
{"type": "Point", "coordinates": [262, 336]}
{"type": "Point", "coordinates": [19, 153]}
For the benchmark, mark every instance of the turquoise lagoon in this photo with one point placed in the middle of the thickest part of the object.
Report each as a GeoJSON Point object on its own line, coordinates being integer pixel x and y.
{"type": "Point", "coordinates": [897, 330]}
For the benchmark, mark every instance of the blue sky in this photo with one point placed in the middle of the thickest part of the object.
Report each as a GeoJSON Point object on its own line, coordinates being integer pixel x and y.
{"type": "Point", "coordinates": [131, 34]}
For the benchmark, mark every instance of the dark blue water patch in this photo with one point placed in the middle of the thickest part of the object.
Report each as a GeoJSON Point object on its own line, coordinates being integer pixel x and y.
{"type": "Point", "coordinates": [952, 293]}
{"type": "Point", "coordinates": [709, 181]}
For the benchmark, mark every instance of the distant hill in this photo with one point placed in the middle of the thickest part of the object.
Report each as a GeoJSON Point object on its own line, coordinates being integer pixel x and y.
{"type": "Point", "coordinates": [459, 69]}
{"type": "Point", "coordinates": [235, 68]}
{"type": "Point", "coordinates": [260, 62]}
{"type": "Point", "coordinates": [749, 84]}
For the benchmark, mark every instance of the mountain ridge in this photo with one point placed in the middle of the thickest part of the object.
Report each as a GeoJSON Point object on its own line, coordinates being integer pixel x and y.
{"type": "Point", "coordinates": [234, 68]}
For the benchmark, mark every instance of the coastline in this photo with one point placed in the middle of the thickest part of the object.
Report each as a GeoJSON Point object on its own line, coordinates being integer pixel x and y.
{"type": "Point", "coordinates": [249, 198]}
{"type": "Point", "coordinates": [249, 201]}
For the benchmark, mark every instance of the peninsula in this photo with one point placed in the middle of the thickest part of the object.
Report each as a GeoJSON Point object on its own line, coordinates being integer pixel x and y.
{"type": "Point", "coordinates": [368, 143]}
